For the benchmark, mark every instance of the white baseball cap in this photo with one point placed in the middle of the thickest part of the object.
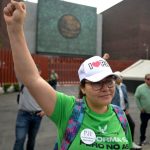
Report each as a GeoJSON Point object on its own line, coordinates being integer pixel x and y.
{"type": "Point", "coordinates": [94, 69]}
{"type": "Point", "coordinates": [118, 74]}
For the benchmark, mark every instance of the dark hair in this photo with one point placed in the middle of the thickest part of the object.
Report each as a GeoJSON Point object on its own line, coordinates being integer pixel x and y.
{"type": "Point", "coordinates": [82, 85]}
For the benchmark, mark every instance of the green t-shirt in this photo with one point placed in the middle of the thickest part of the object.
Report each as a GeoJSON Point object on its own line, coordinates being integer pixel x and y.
{"type": "Point", "coordinates": [142, 95]}
{"type": "Point", "coordinates": [97, 132]}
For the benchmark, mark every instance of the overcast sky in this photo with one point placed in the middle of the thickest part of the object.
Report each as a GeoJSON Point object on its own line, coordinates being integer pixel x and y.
{"type": "Point", "coordinates": [101, 5]}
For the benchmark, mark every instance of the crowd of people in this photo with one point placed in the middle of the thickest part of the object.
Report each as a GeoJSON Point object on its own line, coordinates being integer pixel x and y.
{"type": "Point", "coordinates": [89, 121]}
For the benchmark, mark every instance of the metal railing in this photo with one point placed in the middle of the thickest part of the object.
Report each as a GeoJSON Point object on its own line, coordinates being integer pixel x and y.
{"type": "Point", "coordinates": [66, 67]}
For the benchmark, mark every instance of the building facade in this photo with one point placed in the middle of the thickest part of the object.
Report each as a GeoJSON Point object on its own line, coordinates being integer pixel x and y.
{"type": "Point", "coordinates": [126, 30]}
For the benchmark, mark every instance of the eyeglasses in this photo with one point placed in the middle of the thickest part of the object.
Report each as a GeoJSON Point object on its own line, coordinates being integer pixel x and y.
{"type": "Point", "coordinates": [109, 82]}
{"type": "Point", "coordinates": [147, 79]}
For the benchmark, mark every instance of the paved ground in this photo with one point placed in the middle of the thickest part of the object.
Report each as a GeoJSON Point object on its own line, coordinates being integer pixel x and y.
{"type": "Point", "coordinates": [47, 134]}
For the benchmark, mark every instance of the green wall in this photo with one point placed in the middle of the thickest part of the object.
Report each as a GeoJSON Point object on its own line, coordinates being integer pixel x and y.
{"type": "Point", "coordinates": [65, 28]}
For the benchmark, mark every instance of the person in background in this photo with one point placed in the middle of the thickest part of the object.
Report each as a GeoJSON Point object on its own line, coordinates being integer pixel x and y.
{"type": "Point", "coordinates": [121, 99]}
{"type": "Point", "coordinates": [106, 56]}
{"type": "Point", "coordinates": [100, 127]}
{"type": "Point", "coordinates": [1, 90]}
{"type": "Point", "coordinates": [53, 79]}
{"type": "Point", "coordinates": [28, 120]}
{"type": "Point", "coordinates": [142, 96]}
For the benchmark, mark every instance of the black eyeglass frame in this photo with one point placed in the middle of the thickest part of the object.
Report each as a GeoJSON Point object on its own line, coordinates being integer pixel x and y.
{"type": "Point", "coordinates": [148, 79]}
{"type": "Point", "coordinates": [109, 82]}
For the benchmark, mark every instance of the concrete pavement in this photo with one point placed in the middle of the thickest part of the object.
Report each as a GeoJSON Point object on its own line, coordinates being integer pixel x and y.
{"type": "Point", "coordinates": [47, 134]}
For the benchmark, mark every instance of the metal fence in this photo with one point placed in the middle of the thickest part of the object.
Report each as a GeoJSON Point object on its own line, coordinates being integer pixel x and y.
{"type": "Point", "coordinates": [66, 67]}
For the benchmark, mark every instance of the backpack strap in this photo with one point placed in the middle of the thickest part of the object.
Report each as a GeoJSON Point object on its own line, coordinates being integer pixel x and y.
{"type": "Point", "coordinates": [21, 88]}
{"type": "Point", "coordinates": [121, 116]}
{"type": "Point", "coordinates": [73, 126]}
{"type": "Point", "coordinates": [18, 95]}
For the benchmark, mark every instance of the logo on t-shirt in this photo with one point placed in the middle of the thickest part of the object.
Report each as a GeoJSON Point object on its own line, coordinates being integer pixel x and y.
{"type": "Point", "coordinates": [102, 130]}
